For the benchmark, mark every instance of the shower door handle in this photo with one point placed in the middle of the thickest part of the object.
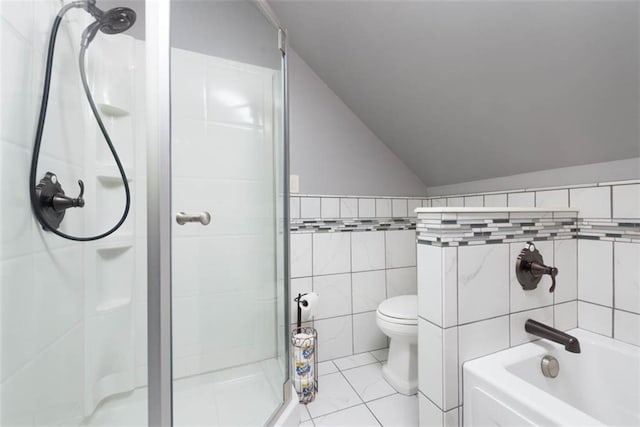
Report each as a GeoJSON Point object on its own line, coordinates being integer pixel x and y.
{"type": "Point", "coordinates": [203, 218]}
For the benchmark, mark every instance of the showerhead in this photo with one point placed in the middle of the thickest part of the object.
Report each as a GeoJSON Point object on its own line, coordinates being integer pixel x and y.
{"type": "Point", "coordinates": [113, 21]}
{"type": "Point", "coordinates": [117, 20]}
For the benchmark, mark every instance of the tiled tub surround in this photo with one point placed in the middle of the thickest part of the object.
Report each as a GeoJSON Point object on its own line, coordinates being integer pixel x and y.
{"type": "Point", "coordinates": [471, 305]}
{"type": "Point", "coordinates": [469, 301]}
{"type": "Point", "coordinates": [353, 263]}
{"type": "Point", "coordinates": [608, 247]}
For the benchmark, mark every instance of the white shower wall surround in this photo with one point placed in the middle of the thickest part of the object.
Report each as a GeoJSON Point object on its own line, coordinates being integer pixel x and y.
{"type": "Point", "coordinates": [69, 310]}
{"type": "Point", "coordinates": [74, 315]}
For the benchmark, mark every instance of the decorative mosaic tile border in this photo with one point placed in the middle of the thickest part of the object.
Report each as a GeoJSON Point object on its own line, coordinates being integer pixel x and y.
{"type": "Point", "coordinates": [481, 228]}
{"type": "Point", "coordinates": [616, 230]}
{"type": "Point", "coordinates": [351, 225]}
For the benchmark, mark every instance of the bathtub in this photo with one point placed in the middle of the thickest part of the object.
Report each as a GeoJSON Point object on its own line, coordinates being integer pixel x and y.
{"type": "Point", "coordinates": [600, 386]}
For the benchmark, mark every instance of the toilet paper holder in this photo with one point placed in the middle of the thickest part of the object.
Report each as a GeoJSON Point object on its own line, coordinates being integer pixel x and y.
{"type": "Point", "coordinates": [304, 342]}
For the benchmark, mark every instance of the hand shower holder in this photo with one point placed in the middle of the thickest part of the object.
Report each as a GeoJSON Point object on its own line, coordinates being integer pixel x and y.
{"type": "Point", "coordinates": [52, 201]}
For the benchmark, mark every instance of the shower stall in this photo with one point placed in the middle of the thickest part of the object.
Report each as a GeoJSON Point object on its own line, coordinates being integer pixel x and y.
{"type": "Point", "coordinates": [178, 316]}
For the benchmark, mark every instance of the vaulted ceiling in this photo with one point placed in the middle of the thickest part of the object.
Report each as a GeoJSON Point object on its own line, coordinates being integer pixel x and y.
{"type": "Point", "coordinates": [463, 91]}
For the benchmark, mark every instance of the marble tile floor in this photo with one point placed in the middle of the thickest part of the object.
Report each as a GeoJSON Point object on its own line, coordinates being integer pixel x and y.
{"type": "Point", "coordinates": [353, 393]}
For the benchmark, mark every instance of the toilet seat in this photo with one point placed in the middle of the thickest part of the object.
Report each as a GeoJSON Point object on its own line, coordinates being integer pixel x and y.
{"type": "Point", "coordinates": [401, 310]}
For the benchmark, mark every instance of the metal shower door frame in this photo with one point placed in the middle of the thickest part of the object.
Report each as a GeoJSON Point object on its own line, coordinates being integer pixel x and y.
{"type": "Point", "coordinates": [158, 126]}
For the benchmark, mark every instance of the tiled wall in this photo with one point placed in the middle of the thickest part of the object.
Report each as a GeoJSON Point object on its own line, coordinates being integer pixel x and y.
{"type": "Point", "coordinates": [598, 285]}
{"type": "Point", "coordinates": [608, 247]}
{"type": "Point", "coordinates": [354, 253]}
{"type": "Point", "coordinates": [470, 302]}
{"type": "Point", "coordinates": [67, 331]}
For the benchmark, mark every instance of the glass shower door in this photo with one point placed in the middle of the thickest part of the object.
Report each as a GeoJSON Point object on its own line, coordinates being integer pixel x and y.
{"type": "Point", "coordinates": [229, 348]}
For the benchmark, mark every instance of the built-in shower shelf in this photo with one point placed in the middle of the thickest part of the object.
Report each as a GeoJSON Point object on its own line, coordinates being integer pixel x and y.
{"type": "Point", "coordinates": [113, 304]}
{"type": "Point", "coordinates": [110, 176]}
{"type": "Point", "coordinates": [112, 110]}
{"type": "Point", "coordinates": [111, 243]}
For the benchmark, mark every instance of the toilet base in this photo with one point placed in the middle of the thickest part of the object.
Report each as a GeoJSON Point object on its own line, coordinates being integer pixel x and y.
{"type": "Point", "coordinates": [401, 369]}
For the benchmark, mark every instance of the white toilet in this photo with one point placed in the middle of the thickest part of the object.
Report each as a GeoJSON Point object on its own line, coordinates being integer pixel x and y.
{"type": "Point", "coordinates": [397, 317]}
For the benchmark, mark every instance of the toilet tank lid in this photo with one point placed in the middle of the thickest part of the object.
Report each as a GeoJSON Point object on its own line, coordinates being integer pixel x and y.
{"type": "Point", "coordinates": [401, 307]}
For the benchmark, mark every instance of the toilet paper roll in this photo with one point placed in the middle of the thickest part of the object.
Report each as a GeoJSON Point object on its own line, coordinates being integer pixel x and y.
{"type": "Point", "coordinates": [310, 308]}
{"type": "Point", "coordinates": [304, 358]}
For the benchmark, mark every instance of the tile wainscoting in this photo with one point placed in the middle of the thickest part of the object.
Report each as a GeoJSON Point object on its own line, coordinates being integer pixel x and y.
{"type": "Point", "coordinates": [354, 252]}
{"type": "Point", "coordinates": [470, 303]}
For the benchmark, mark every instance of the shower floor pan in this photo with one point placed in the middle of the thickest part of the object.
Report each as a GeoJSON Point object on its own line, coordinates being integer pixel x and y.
{"type": "Point", "coordinates": [240, 396]}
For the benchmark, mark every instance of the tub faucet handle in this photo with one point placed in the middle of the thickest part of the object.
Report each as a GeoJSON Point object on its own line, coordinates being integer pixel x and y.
{"type": "Point", "coordinates": [530, 268]}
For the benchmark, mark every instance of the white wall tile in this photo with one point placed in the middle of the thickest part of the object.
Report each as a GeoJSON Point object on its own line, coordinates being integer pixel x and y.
{"type": "Point", "coordinates": [482, 338]}
{"type": "Point", "coordinates": [626, 201]}
{"type": "Point", "coordinates": [401, 281]}
{"type": "Point", "coordinates": [439, 203]}
{"type": "Point", "coordinates": [450, 286]}
{"type": "Point", "coordinates": [334, 338]}
{"type": "Point", "coordinates": [627, 276]}
{"type": "Point", "coordinates": [366, 334]}
{"type": "Point", "coordinates": [595, 271]}
{"type": "Point", "coordinates": [455, 202]}
{"type": "Point", "coordinates": [368, 290]}
{"type": "Point", "coordinates": [565, 315]}
{"type": "Point", "coordinates": [592, 202]}
{"type": "Point", "coordinates": [426, 203]}
{"type": "Point", "coordinates": [430, 371]}
{"type": "Point", "coordinates": [348, 208]}
{"type": "Point", "coordinates": [539, 297]}
{"type": "Point", "coordinates": [366, 208]}
{"type": "Point", "coordinates": [329, 207]}
{"type": "Point", "coordinates": [521, 199]}
{"type": "Point", "coordinates": [450, 368]}
{"type": "Point", "coordinates": [367, 250]}
{"type": "Point", "coordinates": [627, 327]}
{"type": "Point", "coordinates": [310, 207]}
{"type": "Point", "coordinates": [300, 254]}
{"type": "Point", "coordinates": [399, 208]}
{"type": "Point", "coordinates": [400, 248]}
{"type": "Point", "coordinates": [474, 201]}
{"type": "Point", "coordinates": [430, 283]}
{"type": "Point", "coordinates": [294, 207]}
{"type": "Point", "coordinates": [483, 281]}
{"type": "Point", "coordinates": [495, 200]}
{"type": "Point", "coordinates": [334, 295]}
{"type": "Point", "coordinates": [566, 260]}
{"type": "Point", "coordinates": [331, 253]}
{"type": "Point", "coordinates": [517, 321]}
{"type": "Point", "coordinates": [552, 199]}
{"type": "Point", "coordinates": [383, 208]}
{"type": "Point", "coordinates": [595, 318]}
{"type": "Point", "coordinates": [412, 205]}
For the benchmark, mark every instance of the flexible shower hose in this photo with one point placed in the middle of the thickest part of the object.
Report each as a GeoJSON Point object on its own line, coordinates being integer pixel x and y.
{"type": "Point", "coordinates": [35, 203]}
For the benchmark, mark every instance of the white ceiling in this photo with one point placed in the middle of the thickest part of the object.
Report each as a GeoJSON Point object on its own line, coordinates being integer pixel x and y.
{"type": "Point", "coordinates": [463, 91]}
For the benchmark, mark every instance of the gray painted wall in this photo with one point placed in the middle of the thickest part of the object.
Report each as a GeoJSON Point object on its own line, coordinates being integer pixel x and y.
{"type": "Point", "coordinates": [619, 170]}
{"type": "Point", "coordinates": [332, 151]}
{"type": "Point", "coordinates": [470, 90]}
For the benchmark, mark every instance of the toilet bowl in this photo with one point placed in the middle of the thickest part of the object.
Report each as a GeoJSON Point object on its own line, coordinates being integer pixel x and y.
{"type": "Point", "coordinates": [397, 318]}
